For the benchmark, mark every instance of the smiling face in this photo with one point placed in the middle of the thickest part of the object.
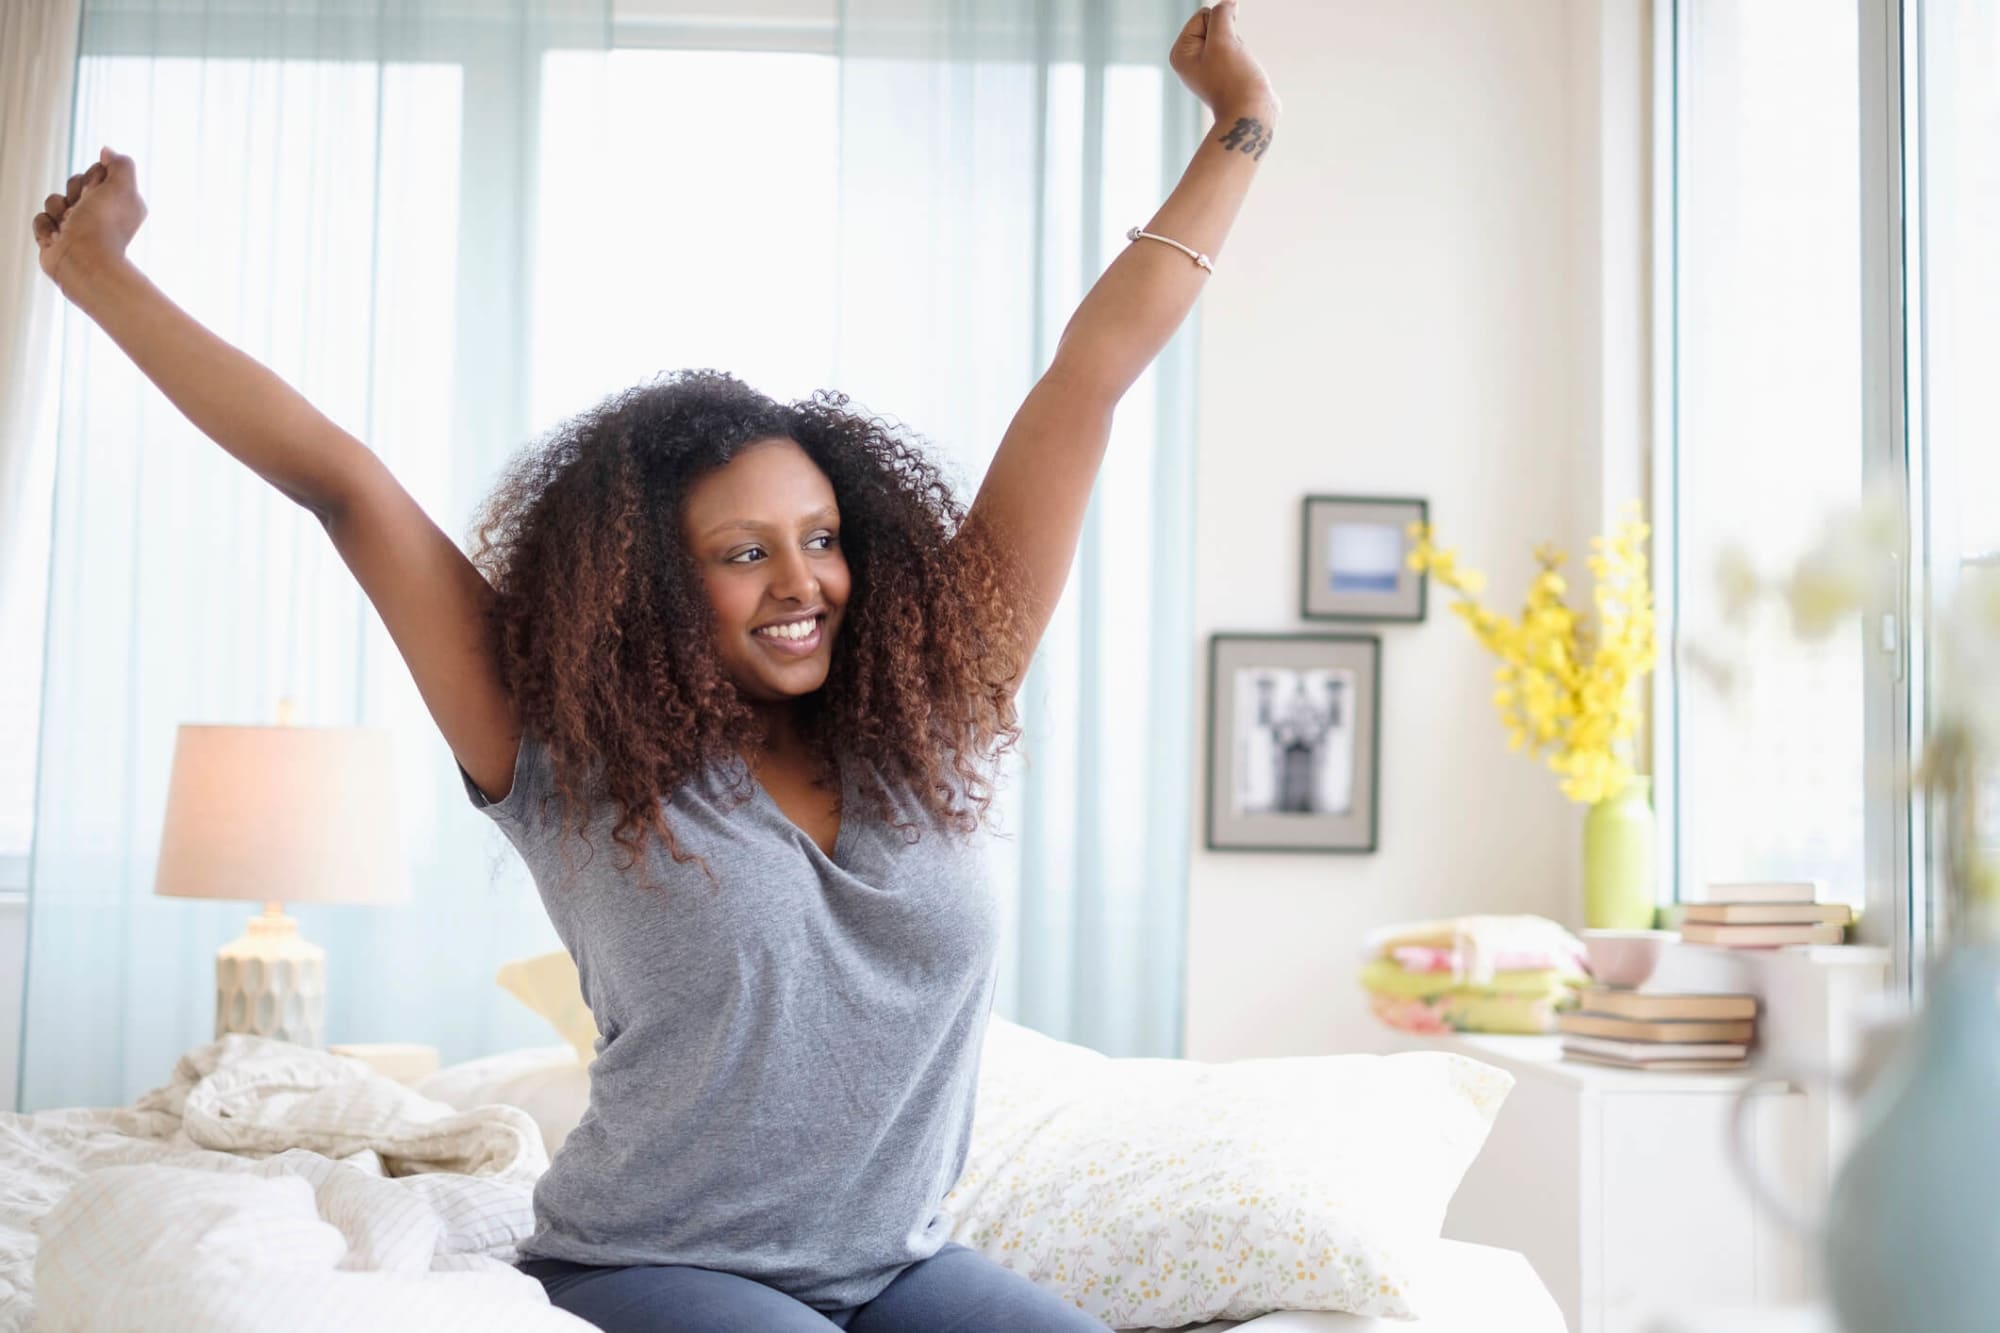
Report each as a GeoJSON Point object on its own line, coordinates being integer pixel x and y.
{"type": "Point", "coordinates": [765, 532]}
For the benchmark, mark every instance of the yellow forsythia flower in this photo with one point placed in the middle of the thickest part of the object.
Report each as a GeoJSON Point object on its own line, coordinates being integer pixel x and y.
{"type": "Point", "coordinates": [1565, 686]}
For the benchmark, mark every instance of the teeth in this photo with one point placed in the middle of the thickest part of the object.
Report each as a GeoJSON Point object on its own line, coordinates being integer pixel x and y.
{"type": "Point", "coordinates": [797, 629]}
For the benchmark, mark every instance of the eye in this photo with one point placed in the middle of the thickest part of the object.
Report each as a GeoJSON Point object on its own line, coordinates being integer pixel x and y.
{"type": "Point", "coordinates": [740, 558]}
{"type": "Point", "coordinates": [829, 538]}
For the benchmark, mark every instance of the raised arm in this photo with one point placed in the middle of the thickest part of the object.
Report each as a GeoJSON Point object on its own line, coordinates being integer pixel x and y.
{"type": "Point", "coordinates": [1033, 499]}
{"type": "Point", "coordinates": [429, 595]}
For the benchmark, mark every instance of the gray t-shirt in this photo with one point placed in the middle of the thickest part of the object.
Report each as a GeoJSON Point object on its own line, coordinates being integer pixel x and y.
{"type": "Point", "coordinates": [786, 1057]}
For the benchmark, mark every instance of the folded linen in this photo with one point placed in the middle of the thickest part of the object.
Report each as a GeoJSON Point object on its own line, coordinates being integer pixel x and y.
{"type": "Point", "coordinates": [1474, 948]}
{"type": "Point", "coordinates": [1507, 974]}
{"type": "Point", "coordinates": [1384, 977]}
{"type": "Point", "coordinates": [1461, 1011]}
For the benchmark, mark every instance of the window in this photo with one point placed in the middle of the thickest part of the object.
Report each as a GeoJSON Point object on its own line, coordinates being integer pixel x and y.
{"type": "Point", "coordinates": [1836, 318]}
{"type": "Point", "coordinates": [719, 241]}
{"type": "Point", "coordinates": [570, 222]}
{"type": "Point", "coordinates": [315, 137]}
{"type": "Point", "coordinates": [1768, 404]}
{"type": "Point", "coordinates": [1953, 115]}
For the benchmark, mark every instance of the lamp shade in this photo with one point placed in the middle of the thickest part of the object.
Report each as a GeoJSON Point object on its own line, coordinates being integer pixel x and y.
{"type": "Point", "coordinates": [282, 814]}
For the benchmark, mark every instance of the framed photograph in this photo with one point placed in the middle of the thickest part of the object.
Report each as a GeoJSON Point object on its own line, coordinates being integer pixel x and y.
{"type": "Point", "coordinates": [1356, 559]}
{"type": "Point", "coordinates": [1293, 742]}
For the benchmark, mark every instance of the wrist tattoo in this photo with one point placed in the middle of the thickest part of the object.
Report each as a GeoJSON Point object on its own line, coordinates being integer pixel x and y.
{"type": "Point", "coordinates": [1249, 135]}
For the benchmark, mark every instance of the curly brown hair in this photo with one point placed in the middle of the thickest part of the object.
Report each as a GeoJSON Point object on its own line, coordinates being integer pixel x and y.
{"type": "Point", "coordinates": [606, 641]}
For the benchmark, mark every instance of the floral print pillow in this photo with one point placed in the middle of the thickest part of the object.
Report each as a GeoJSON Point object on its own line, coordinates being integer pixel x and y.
{"type": "Point", "coordinates": [1154, 1193]}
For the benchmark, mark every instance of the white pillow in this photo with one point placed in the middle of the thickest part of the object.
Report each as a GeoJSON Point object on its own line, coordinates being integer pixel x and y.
{"type": "Point", "coordinates": [548, 984]}
{"type": "Point", "coordinates": [548, 1082]}
{"type": "Point", "coordinates": [1168, 1192]}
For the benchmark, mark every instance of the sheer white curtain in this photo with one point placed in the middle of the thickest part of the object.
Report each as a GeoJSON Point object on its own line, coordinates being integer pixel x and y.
{"type": "Point", "coordinates": [452, 222]}
{"type": "Point", "coordinates": [906, 203]}
{"type": "Point", "coordinates": [992, 157]}
{"type": "Point", "coordinates": [37, 67]}
{"type": "Point", "coordinates": [343, 189]}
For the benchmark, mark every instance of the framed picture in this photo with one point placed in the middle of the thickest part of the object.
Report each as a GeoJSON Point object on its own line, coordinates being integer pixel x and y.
{"type": "Point", "coordinates": [1293, 742]}
{"type": "Point", "coordinates": [1355, 563]}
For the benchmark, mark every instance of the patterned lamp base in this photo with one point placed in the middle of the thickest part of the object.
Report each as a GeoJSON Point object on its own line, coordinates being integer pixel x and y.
{"type": "Point", "coordinates": [271, 983]}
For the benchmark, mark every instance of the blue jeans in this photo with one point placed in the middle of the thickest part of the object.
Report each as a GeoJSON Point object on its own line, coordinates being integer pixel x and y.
{"type": "Point", "coordinates": [953, 1291]}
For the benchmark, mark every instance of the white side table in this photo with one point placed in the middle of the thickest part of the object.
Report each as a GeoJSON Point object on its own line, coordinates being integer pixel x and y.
{"type": "Point", "coordinates": [1790, 1319]}
{"type": "Point", "coordinates": [1617, 1186]}
{"type": "Point", "coordinates": [405, 1062]}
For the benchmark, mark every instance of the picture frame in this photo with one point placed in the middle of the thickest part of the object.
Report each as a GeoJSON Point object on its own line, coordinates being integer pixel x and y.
{"type": "Point", "coordinates": [1354, 558]}
{"type": "Point", "coordinates": [1294, 742]}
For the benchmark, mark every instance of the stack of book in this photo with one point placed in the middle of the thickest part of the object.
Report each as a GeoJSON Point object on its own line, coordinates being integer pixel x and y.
{"type": "Point", "coordinates": [1635, 1029]}
{"type": "Point", "coordinates": [1764, 916]}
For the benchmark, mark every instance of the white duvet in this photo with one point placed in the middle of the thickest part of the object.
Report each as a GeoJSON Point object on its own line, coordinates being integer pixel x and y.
{"type": "Point", "coordinates": [270, 1186]}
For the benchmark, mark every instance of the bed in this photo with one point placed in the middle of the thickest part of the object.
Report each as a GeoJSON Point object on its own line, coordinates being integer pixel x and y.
{"type": "Point", "coordinates": [267, 1185]}
{"type": "Point", "coordinates": [1482, 1290]}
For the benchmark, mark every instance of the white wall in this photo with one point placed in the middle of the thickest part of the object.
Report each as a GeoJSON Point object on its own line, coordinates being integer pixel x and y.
{"type": "Point", "coordinates": [1409, 306]}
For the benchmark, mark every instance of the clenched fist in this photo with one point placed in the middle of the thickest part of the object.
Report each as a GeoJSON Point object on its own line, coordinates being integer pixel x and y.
{"type": "Point", "coordinates": [1212, 61]}
{"type": "Point", "coordinates": [93, 222]}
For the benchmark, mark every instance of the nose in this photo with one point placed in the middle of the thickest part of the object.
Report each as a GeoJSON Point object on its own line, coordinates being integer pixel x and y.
{"type": "Point", "coordinates": [792, 579]}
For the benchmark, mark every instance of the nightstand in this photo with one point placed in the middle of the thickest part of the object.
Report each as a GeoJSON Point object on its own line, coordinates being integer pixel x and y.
{"type": "Point", "coordinates": [1790, 1319]}
{"type": "Point", "coordinates": [1617, 1185]}
{"type": "Point", "coordinates": [405, 1062]}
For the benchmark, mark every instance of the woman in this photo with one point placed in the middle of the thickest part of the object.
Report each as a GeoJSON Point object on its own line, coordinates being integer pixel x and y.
{"type": "Point", "coordinates": [761, 650]}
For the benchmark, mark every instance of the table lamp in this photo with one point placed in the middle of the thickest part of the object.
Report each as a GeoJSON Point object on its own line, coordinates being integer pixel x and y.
{"type": "Point", "coordinates": [279, 814]}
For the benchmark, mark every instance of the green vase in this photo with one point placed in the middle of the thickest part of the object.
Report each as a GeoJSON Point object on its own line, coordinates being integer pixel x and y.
{"type": "Point", "coordinates": [1618, 865]}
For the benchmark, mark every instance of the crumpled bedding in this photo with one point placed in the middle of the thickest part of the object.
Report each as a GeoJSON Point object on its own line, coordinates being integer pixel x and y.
{"type": "Point", "coordinates": [268, 1185]}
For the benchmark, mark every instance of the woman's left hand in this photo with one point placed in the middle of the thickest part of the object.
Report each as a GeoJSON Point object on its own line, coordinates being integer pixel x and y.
{"type": "Point", "coordinates": [1217, 67]}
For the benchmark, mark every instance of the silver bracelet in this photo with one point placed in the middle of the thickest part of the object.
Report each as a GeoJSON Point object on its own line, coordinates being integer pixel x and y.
{"type": "Point", "coordinates": [1200, 259]}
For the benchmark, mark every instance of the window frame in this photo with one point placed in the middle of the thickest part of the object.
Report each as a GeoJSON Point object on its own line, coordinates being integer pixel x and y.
{"type": "Point", "coordinates": [1894, 691]}
{"type": "Point", "coordinates": [1895, 914]}
{"type": "Point", "coordinates": [1664, 715]}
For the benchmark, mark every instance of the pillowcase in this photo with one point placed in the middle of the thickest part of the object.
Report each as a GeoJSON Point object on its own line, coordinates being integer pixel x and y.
{"type": "Point", "coordinates": [548, 985]}
{"type": "Point", "coordinates": [545, 1081]}
{"type": "Point", "coordinates": [1169, 1192]}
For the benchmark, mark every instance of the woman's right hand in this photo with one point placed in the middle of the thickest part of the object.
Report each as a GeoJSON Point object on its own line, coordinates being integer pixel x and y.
{"type": "Point", "coordinates": [93, 222]}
